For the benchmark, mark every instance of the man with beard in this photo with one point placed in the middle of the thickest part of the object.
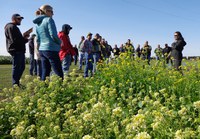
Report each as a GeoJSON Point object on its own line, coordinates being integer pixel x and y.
{"type": "Point", "coordinates": [15, 44]}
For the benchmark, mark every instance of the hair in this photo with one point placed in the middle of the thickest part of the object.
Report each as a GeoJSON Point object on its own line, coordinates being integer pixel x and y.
{"type": "Point", "coordinates": [43, 9]}
{"type": "Point", "coordinates": [179, 34]}
{"type": "Point", "coordinates": [37, 13]}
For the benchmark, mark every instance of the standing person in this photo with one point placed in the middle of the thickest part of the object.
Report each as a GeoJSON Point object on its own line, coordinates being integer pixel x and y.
{"type": "Point", "coordinates": [146, 52]}
{"type": "Point", "coordinates": [81, 51]}
{"type": "Point", "coordinates": [37, 58]}
{"type": "Point", "coordinates": [129, 48]}
{"type": "Point", "coordinates": [158, 51]}
{"type": "Point", "coordinates": [48, 41]}
{"type": "Point", "coordinates": [87, 49]}
{"type": "Point", "coordinates": [15, 44]}
{"type": "Point", "coordinates": [67, 50]}
{"type": "Point", "coordinates": [108, 51]}
{"type": "Point", "coordinates": [76, 54]}
{"type": "Point", "coordinates": [95, 51]}
{"type": "Point", "coordinates": [177, 48]}
{"type": "Point", "coordinates": [33, 65]}
{"type": "Point", "coordinates": [121, 48]}
{"type": "Point", "coordinates": [103, 49]}
{"type": "Point", "coordinates": [99, 53]}
{"type": "Point", "coordinates": [166, 53]}
{"type": "Point", "coordinates": [116, 51]}
{"type": "Point", "coordinates": [138, 51]}
{"type": "Point", "coordinates": [37, 54]}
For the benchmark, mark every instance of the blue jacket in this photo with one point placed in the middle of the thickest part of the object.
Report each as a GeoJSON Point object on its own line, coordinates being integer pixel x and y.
{"type": "Point", "coordinates": [46, 31]}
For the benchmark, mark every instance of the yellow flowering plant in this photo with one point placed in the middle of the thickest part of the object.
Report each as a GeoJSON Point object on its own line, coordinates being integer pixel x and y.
{"type": "Point", "coordinates": [126, 98]}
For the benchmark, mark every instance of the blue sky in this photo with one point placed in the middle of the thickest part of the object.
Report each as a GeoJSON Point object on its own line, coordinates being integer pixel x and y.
{"type": "Point", "coordinates": [116, 20]}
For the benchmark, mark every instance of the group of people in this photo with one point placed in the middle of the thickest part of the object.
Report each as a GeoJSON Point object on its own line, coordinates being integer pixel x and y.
{"type": "Point", "coordinates": [171, 53]}
{"type": "Point", "coordinates": [53, 51]}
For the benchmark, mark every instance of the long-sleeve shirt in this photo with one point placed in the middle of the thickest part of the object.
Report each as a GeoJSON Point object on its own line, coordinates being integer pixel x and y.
{"type": "Point", "coordinates": [87, 46]}
{"type": "Point", "coordinates": [15, 42]}
{"type": "Point", "coordinates": [47, 34]}
{"type": "Point", "coordinates": [66, 46]}
{"type": "Point", "coordinates": [177, 48]}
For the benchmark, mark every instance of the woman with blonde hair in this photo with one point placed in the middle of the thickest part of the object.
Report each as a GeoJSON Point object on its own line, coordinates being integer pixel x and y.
{"type": "Point", "coordinates": [48, 41]}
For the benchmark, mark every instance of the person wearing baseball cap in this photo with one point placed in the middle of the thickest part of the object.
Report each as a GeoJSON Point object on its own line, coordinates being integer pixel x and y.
{"type": "Point", "coordinates": [17, 16]}
{"type": "Point", "coordinates": [66, 52]}
{"type": "Point", "coordinates": [89, 34]}
{"type": "Point", "coordinates": [87, 49]}
{"type": "Point", "coordinates": [15, 44]}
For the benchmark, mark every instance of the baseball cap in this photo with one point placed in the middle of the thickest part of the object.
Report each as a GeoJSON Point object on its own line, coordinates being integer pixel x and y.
{"type": "Point", "coordinates": [14, 16]}
{"type": "Point", "coordinates": [97, 34]}
{"type": "Point", "coordinates": [89, 34]}
{"type": "Point", "coordinates": [66, 27]}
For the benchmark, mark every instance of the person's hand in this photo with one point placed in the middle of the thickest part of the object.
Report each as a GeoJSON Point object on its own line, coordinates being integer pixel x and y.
{"type": "Point", "coordinates": [169, 55]}
{"type": "Point", "coordinates": [26, 36]}
{"type": "Point", "coordinates": [27, 33]}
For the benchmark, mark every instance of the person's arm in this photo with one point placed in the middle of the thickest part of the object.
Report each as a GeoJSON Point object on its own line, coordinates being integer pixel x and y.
{"type": "Point", "coordinates": [53, 31]}
{"type": "Point", "coordinates": [63, 41]}
{"type": "Point", "coordinates": [178, 45]}
{"type": "Point", "coordinates": [82, 47]}
{"type": "Point", "coordinates": [38, 38]}
{"type": "Point", "coordinates": [169, 55]}
{"type": "Point", "coordinates": [15, 35]}
{"type": "Point", "coordinates": [181, 43]}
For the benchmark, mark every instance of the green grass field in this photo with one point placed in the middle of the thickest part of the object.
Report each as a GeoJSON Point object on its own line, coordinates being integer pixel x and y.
{"type": "Point", "coordinates": [6, 73]}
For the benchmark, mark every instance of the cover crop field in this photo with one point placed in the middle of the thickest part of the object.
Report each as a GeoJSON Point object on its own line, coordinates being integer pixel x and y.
{"type": "Point", "coordinates": [125, 99]}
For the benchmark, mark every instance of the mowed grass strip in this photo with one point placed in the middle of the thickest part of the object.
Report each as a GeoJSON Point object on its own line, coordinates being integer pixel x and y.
{"type": "Point", "coordinates": [6, 74]}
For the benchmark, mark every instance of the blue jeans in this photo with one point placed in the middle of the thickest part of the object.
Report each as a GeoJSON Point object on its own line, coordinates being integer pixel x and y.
{"type": "Point", "coordinates": [81, 60]}
{"type": "Point", "coordinates": [88, 64]}
{"type": "Point", "coordinates": [33, 65]}
{"type": "Point", "coordinates": [18, 66]}
{"type": "Point", "coordinates": [95, 60]}
{"type": "Point", "coordinates": [50, 59]}
{"type": "Point", "coordinates": [66, 63]}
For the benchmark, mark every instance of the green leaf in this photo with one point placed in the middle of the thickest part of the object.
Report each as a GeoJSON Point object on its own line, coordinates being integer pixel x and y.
{"type": "Point", "coordinates": [140, 104]}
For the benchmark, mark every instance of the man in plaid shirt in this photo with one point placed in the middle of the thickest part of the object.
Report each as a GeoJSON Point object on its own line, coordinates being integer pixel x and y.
{"type": "Point", "coordinates": [87, 49]}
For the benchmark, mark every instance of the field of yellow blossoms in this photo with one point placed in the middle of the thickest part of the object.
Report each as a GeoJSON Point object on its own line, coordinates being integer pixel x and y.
{"type": "Point", "coordinates": [126, 99]}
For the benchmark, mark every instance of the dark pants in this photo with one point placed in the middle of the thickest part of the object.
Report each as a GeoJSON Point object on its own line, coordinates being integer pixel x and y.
{"type": "Point", "coordinates": [75, 59]}
{"type": "Point", "coordinates": [18, 66]}
{"type": "Point", "coordinates": [39, 68]}
{"type": "Point", "coordinates": [177, 63]}
{"type": "Point", "coordinates": [149, 58]}
{"type": "Point", "coordinates": [33, 65]}
{"type": "Point", "coordinates": [50, 59]}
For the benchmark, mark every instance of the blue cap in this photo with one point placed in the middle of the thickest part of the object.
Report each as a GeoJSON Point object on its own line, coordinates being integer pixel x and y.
{"type": "Point", "coordinates": [14, 16]}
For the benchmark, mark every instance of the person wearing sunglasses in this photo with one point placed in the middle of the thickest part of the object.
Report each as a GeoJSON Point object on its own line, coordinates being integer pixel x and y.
{"type": "Point", "coordinates": [177, 48]}
{"type": "Point", "coordinates": [15, 44]}
{"type": "Point", "coordinates": [48, 41]}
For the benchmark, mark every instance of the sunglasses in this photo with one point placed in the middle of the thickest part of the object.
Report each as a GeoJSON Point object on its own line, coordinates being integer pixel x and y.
{"type": "Point", "coordinates": [50, 11]}
{"type": "Point", "coordinates": [19, 19]}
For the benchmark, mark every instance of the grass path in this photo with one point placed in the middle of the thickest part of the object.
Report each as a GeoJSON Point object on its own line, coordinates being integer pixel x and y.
{"type": "Point", "coordinates": [6, 73]}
